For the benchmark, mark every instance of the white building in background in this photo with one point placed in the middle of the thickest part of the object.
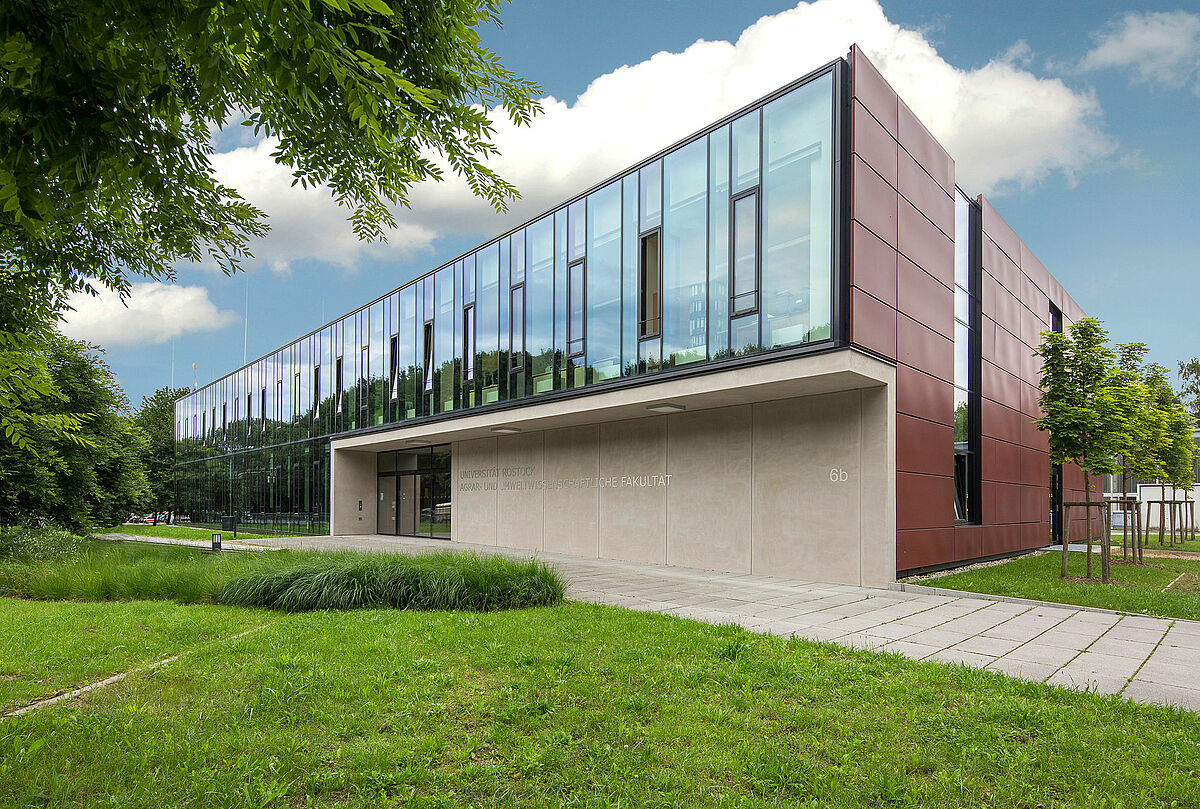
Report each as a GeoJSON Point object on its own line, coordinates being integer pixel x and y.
{"type": "Point", "coordinates": [1116, 485]}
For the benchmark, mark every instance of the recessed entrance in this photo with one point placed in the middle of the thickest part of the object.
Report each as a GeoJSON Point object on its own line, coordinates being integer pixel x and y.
{"type": "Point", "coordinates": [414, 492]}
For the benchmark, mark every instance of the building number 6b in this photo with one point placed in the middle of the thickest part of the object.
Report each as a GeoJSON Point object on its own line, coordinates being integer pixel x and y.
{"type": "Point", "coordinates": [838, 475]}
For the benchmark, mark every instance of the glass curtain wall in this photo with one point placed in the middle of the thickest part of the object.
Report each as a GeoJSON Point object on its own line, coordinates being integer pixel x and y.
{"type": "Point", "coordinates": [721, 247]}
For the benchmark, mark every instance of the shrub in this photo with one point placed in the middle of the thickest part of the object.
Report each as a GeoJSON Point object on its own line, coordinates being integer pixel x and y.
{"type": "Point", "coordinates": [438, 581]}
{"type": "Point", "coordinates": [47, 543]}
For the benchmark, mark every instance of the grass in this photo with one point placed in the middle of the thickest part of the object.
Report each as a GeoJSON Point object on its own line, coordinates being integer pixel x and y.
{"type": "Point", "coordinates": [286, 580]}
{"type": "Point", "coordinates": [1036, 576]}
{"type": "Point", "coordinates": [46, 647]}
{"type": "Point", "coordinates": [184, 532]}
{"type": "Point", "coordinates": [1191, 545]}
{"type": "Point", "coordinates": [588, 706]}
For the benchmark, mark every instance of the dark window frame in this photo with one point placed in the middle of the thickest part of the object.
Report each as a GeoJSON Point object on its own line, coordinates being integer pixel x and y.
{"type": "Point", "coordinates": [427, 337]}
{"type": "Point", "coordinates": [973, 466]}
{"type": "Point", "coordinates": [364, 379]}
{"type": "Point", "coordinates": [734, 199]}
{"type": "Point", "coordinates": [393, 367]}
{"type": "Point", "coordinates": [516, 349]}
{"type": "Point", "coordinates": [338, 380]}
{"type": "Point", "coordinates": [469, 344]}
{"type": "Point", "coordinates": [644, 333]}
{"type": "Point", "coordinates": [581, 338]}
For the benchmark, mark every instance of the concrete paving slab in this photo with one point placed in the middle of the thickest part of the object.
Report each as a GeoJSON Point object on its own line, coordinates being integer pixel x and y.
{"type": "Point", "coordinates": [940, 637]}
{"type": "Point", "coordinates": [1068, 640]}
{"type": "Point", "coordinates": [1034, 652]}
{"type": "Point", "coordinates": [916, 651]}
{"type": "Point", "coordinates": [994, 647]}
{"type": "Point", "coordinates": [974, 659]}
{"type": "Point", "coordinates": [1163, 694]}
{"type": "Point", "coordinates": [1122, 648]}
{"type": "Point", "coordinates": [1088, 681]}
{"type": "Point", "coordinates": [1023, 669]}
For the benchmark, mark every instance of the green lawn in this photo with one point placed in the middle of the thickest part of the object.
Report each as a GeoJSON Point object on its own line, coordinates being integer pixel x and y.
{"type": "Point", "coordinates": [182, 532]}
{"type": "Point", "coordinates": [47, 646]}
{"type": "Point", "coordinates": [1140, 587]}
{"type": "Point", "coordinates": [586, 706]}
{"type": "Point", "coordinates": [1191, 545]}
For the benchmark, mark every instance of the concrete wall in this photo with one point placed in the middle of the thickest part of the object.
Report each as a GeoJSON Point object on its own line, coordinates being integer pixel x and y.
{"type": "Point", "coordinates": [797, 487]}
{"type": "Point", "coordinates": [354, 492]}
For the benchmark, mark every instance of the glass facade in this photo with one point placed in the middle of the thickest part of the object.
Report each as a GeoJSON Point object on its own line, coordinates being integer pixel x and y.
{"type": "Point", "coordinates": [721, 247]}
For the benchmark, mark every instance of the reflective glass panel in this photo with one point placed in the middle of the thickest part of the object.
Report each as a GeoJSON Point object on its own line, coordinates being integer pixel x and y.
{"type": "Point", "coordinates": [443, 322]}
{"type": "Point", "coordinates": [576, 229]}
{"type": "Point", "coordinates": [487, 323]}
{"type": "Point", "coordinates": [797, 215]}
{"type": "Point", "coordinates": [685, 254]}
{"type": "Point", "coordinates": [650, 180]}
{"type": "Point", "coordinates": [745, 152]}
{"type": "Point", "coordinates": [718, 243]}
{"type": "Point", "coordinates": [539, 304]}
{"type": "Point", "coordinates": [604, 283]}
{"type": "Point", "coordinates": [629, 274]}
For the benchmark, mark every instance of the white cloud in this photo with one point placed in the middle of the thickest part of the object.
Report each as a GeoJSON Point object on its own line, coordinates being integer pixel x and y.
{"type": "Point", "coordinates": [1161, 47]}
{"type": "Point", "coordinates": [1004, 126]}
{"type": "Point", "coordinates": [305, 222]}
{"type": "Point", "coordinates": [153, 313]}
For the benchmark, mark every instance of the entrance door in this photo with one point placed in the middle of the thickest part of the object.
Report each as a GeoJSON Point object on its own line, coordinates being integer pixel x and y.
{"type": "Point", "coordinates": [414, 492]}
{"type": "Point", "coordinates": [409, 504]}
{"type": "Point", "coordinates": [386, 523]}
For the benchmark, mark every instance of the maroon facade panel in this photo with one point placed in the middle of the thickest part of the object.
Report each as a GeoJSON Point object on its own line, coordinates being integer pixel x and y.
{"type": "Point", "coordinates": [902, 308]}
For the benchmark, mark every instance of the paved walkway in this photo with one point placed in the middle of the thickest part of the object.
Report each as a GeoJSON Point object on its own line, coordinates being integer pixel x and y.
{"type": "Point", "coordinates": [1142, 659]}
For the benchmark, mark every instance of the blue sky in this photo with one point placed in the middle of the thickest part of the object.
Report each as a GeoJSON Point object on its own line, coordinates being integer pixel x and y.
{"type": "Point", "coordinates": [1079, 127]}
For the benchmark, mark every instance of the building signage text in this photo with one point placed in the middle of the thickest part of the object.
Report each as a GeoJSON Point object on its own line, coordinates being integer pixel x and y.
{"type": "Point", "coordinates": [520, 478]}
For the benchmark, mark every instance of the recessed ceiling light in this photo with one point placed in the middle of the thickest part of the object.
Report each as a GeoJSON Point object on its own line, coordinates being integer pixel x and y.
{"type": "Point", "coordinates": [506, 430]}
{"type": "Point", "coordinates": [666, 407]}
{"type": "Point", "coordinates": [416, 442]}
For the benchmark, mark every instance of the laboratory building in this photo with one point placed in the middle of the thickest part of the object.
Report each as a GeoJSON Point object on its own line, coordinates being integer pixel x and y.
{"type": "Point", "coordinates": [788, 345]}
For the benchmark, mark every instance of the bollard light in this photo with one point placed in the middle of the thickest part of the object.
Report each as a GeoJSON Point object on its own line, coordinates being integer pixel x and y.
{"type": "Point", "coordinates": [216, 541]}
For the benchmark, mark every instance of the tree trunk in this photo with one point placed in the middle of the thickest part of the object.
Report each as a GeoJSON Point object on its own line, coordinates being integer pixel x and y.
{"type": "Point", "coordinates": [1065, 510]}
{"type": "Point", "coordinates": [1087, 518]}
{"type": "Point", "coordinates": [1105, 543]}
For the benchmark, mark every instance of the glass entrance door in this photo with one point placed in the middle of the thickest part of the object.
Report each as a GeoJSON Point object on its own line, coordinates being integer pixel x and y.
{"type": "Point", "coordinates": [386, 523]}
{"type": "Point", "coordinates": [414, 492]}
{"type": "Point", "coordinates": [406, 485]}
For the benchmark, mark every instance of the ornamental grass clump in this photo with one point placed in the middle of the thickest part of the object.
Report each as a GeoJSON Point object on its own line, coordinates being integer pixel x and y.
{"type": "Point", "coordinates": [294, 581]}
{"type": "Point", "coordinates": [438, 581]}
{"type": "Point", "coordinates": [43, 544]}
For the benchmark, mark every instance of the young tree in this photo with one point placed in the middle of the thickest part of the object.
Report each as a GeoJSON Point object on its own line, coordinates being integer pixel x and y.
{"type": "Point", "coordinates": [156, 418]}
{"type": "Point", "coordinates": [1084, 410]}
